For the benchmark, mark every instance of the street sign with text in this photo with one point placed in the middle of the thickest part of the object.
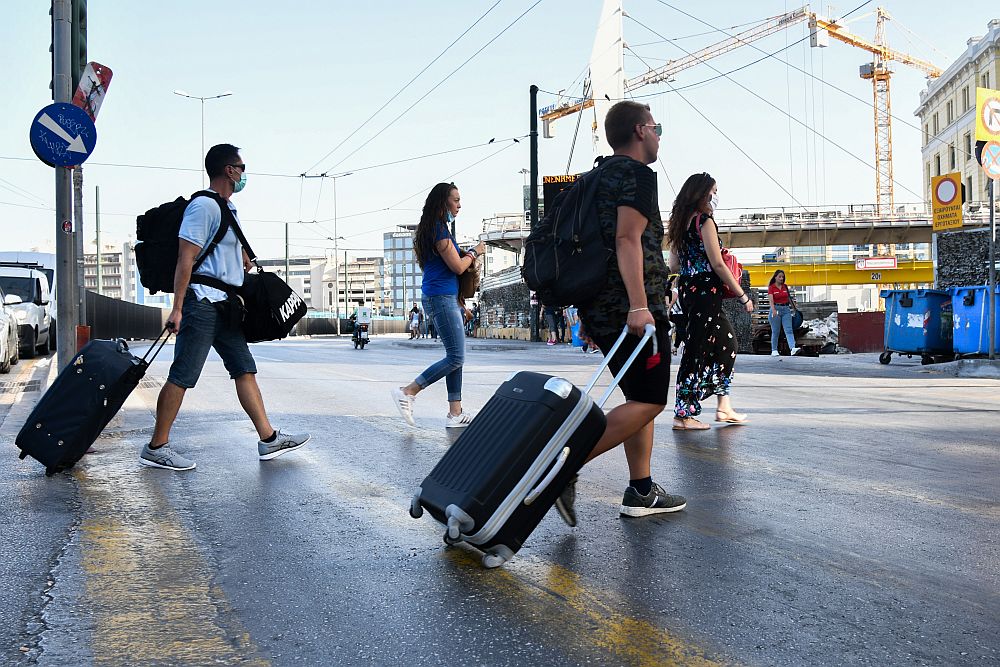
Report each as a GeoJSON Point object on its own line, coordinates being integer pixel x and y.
{"type": "Point", "coordinates": [946, 191]}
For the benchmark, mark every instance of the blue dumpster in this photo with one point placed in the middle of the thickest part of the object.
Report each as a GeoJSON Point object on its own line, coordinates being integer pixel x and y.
{"type": "Point", "coordinates": [918, 321]}
{"type": "Point", "coordinates": [971, 313]}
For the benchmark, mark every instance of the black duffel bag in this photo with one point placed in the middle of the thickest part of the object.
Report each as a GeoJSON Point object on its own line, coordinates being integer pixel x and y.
{"type": "Point", "coordinates": [272, 307]}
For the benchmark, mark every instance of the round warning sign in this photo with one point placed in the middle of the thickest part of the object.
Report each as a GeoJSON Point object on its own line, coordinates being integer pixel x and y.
{"type": "Point", "coordinates": [945, 191]}
{"type": "Point", "coordinates": [991, 159]}
{"type": "Point", "coordinates": [990, 115]}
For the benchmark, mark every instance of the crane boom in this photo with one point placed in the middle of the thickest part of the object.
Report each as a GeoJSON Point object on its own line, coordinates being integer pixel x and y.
{"type": "Point", "coordinates": [768, 27]}
{"type": "Point", "coordinates": [838, 33]}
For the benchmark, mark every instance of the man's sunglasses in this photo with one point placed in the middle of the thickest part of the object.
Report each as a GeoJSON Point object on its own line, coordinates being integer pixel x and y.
{"type": "Point", "coordinates": [241, 167]}
{"type": "Point", "coordinates": [657, 128]}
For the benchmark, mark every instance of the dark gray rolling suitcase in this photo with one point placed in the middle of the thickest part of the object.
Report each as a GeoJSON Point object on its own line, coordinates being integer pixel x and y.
{"type": "Point", "coordinates": [83, 399]}
{"type": "Point", "coordinates": [503, 474]}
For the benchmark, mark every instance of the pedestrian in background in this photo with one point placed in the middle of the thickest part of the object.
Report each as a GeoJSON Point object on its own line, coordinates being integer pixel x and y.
{"type": "Point", "coordinates": [677, 317]}
{"type": "Point", "coordinates": [550, 324]}
{"type": "Point", "coordinates": [414, 323]}
{"type": "Point", "coordinates": [439, 259]}
{"type": "Point", "coordinates": [561, 325]}
{"type": "Point", "coordinates": [782, 306]}
{"type": "Point", "coordinates": [710, 346]}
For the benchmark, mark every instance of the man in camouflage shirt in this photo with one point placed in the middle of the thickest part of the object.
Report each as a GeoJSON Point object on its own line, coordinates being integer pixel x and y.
{"type": "Point", "coordinates": [634, 296]}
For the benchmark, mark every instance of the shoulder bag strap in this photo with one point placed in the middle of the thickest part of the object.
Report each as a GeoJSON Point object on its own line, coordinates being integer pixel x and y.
{"type": "Point", "coordinates": [219, 234]}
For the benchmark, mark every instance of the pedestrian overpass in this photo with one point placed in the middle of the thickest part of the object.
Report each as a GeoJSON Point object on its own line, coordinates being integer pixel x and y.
{"type": "Point", "coordinates": [920, 271]}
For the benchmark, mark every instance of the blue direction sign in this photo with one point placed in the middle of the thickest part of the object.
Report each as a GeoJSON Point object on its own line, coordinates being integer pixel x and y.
{"type": "Point", "coordinates": [63, 135]}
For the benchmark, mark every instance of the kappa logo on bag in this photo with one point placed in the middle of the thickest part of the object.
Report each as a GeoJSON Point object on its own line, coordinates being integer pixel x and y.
{"type": "Point", "coordinates": [287, 310]}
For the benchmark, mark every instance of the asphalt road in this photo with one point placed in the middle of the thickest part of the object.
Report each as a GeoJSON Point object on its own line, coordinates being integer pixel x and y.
{"type": "Point", "coordinates": [855, 522]}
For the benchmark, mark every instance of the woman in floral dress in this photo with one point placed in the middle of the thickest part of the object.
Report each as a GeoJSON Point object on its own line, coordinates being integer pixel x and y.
{"type": "Point", "coordinates": [710, 344]}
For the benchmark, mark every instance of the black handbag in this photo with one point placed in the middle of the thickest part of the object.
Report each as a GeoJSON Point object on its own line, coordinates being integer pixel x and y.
{"type": "Point", "coordinates": [271, 308]}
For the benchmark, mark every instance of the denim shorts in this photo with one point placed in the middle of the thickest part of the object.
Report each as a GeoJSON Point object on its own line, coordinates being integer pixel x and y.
{"type": "Point", "coordinates": [202, 328]}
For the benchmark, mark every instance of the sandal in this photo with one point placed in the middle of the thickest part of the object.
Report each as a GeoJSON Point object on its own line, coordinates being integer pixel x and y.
{"type": "Point", "coordinates": [731, 418]}
{"type": "Point", "coordinates": [690, 424]}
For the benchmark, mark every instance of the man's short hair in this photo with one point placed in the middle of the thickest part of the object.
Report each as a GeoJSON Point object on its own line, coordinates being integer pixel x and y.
{"type": "Point", "coordinates": [621, 121]}
{"type": "Point", "coordinates": [218, 157]}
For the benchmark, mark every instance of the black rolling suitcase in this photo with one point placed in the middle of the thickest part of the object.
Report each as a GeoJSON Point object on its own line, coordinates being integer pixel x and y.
{"type": "Point", "coordinates": [494, 485]}
{"type": "Point", "coordinates": [84, 397]}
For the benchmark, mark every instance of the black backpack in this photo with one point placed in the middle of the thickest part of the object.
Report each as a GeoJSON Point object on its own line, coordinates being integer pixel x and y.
{"type": "Point", "coordinates": [156, 231]}
{"type": "Point", "coordinates": [565, 255]}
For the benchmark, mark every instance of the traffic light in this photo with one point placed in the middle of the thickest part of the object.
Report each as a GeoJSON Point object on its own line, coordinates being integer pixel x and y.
{"type": "Point", "coordinates": [78, 46]}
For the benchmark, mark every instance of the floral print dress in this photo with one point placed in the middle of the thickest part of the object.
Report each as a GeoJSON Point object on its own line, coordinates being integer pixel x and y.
{"type": "Point", "coordinates": [710, 343]}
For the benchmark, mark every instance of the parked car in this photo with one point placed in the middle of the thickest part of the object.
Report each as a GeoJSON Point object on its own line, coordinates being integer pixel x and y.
{"type": "Point", "coordinates": [31, 286]}
{"type": "Point", "coordinates": [10, 353]}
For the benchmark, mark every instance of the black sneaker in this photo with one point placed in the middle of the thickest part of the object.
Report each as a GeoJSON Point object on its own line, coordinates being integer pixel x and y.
{"type": "Point", "coordinates": [657, 502]}
{"type": "Point", "coordinates": [566, 503]}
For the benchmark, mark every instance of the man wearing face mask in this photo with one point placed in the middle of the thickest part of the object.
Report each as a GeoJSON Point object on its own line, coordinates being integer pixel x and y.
{"type": "Point", "coordinates": [202, 316]}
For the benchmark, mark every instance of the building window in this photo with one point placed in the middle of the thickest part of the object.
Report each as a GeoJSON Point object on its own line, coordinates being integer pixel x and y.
{"type": "Point", "coordinates": [968, 187]}
{"type": "Point", "coordinates": [951, 113]}
{"type": "Point", "coordinates": [951, 155]}
{"type": "Point", "coordinates": [986, 80]}
{"type": "Point", "coordinates": [968, 146]}
{"type": "Point", "coordinates": [934, 121]}
{"type": "Point", "coordinates": [965, 99]}
{"type": "Point", "coordinates": [937, 165]}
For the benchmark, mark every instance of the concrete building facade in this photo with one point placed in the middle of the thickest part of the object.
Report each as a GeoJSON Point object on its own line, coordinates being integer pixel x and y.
{"type": "Point", "coordinates": [947, 113]}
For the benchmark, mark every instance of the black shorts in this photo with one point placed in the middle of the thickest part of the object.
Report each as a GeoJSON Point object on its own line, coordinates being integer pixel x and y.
{"type": "Point", "coordinates": [647, 379]}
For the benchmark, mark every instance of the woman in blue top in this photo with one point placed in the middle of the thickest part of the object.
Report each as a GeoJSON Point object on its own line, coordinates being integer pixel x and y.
{"type": "Point", "coordinates": [439, 258]}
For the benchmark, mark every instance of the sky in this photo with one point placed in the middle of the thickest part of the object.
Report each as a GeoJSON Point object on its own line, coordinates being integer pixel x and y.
{"type": "Point", "coordinates": [306, 76]}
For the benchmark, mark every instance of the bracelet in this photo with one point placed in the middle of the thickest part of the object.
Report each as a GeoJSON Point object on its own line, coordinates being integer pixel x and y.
{"type": "Point", "coordinates": [637, 310]}
{"type": "Point", "coordinates": [475, 255]}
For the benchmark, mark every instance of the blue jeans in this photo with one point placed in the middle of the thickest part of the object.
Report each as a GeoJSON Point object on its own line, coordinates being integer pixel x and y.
{"type": "Point", "coordinates": [202, 328]}
{"type": "Point", "coordinates": [782, 320]}
{"type": "Point", "coordinates": [446, 315]}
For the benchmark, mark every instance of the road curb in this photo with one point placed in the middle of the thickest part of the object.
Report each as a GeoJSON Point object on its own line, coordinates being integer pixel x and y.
{"type": "Point", "coordinates": [966, 368]}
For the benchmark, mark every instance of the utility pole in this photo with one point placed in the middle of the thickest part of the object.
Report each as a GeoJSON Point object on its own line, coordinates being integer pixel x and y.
{"type": "Point", "coordinates": [97, 225]}
{"type": "Point", "coordinates": [991, 296]}
{"type": "Point", "coordinates": [78, 241]}
{"type": "Point", "coordinates": [345, 285]}
{"type": "Point", "coordinates": [67, 290]}
{"type": "Point", "coordinates": [533, 195]}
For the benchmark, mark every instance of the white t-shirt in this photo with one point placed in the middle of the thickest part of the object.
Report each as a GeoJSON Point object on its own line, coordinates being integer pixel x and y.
{"type": "Point", "coordinates": [201, 221]}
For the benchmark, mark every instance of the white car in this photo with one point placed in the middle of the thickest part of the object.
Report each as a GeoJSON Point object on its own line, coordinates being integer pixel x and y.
{"type": "Point", "coordinates": [31, 286]}
{"type": "Point", "coordinates": [9, 352]}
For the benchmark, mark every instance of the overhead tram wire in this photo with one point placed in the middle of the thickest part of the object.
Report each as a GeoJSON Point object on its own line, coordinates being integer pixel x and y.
{"type": "Point", "coordinates": [774, 55]}
{"type": "Point", "coordinates": [407, 85]}
{"type": "Point", "coordinates": [730, 139]}
{"type": "Point", "coordinates": [438, 84]}
{"type": "Point", "coordinates": [782, 111]}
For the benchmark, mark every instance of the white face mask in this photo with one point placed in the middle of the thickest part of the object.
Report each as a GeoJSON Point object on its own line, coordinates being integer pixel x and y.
{"type": "Point", "coordinates": [713, 203]}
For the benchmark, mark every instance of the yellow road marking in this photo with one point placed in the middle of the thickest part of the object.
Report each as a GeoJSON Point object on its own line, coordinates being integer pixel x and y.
{"type": "Point", "coordinates": [147, 585]}
{"type": "Point", "coordinates": [583, 616]}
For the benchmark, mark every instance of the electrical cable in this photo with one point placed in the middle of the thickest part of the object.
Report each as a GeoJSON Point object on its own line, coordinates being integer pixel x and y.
{"type": "Point", "coordinates": [777, 108]}
{"type": "Point", "coordinates": [729, 139]}
{"type": "Point", "coordinates": [407, 85]}
{"type": "Point", "coordinates": [439, 83]}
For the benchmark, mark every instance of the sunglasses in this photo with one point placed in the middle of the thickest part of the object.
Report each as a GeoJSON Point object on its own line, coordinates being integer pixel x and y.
{"type": "Point", "coordinates": [657, 128]}
{"type": "Point", "coordinates": [241, 167]}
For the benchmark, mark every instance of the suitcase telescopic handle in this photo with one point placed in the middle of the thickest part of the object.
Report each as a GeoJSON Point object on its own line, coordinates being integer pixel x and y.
{"type": "Point", "coordinates": [648, 333]}
{"type": "Point", "coordinates": [165, 338]}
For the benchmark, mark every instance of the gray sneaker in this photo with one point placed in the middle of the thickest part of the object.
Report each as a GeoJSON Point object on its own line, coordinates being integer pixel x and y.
{"type": "Point", "coordinates": [164, 457]}
{"type": "Point", "coordinates": [656, 502]}
{"type": "Point", "coordinates": [284, 442]}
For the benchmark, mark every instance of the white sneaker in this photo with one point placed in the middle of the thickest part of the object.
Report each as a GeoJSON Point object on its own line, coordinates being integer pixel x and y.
{"type": "Point", "coordinates": [774, 353]}
{"type": "Point", "coordinates": [404, 404]}
{"type": "Point", "coordinates": [458, 421]}
{"type": "Point", "coordinates": [795, 350]}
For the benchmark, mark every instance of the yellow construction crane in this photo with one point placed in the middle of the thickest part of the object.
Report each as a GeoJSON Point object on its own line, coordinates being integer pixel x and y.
{"type": "Point", "coordinates": [877, 71]}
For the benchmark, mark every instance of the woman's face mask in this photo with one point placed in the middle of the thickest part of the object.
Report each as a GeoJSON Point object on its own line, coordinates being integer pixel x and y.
{"type": "Point", "coordinates": [713, 202]}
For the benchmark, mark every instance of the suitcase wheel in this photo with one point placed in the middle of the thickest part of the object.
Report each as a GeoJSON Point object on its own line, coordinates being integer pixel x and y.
{"type": "Point", "coordinates": [450, 541]}
{"type": "Point", "coordinates": [497, 556]}
{"type": "Point", "coordinates": [416, 511]}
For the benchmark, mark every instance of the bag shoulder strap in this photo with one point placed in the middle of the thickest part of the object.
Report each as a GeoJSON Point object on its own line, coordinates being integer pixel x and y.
{"type": "Point", "coordinates": [220, 233]}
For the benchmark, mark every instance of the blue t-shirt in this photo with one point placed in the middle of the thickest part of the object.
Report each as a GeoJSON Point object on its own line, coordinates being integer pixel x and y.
{"type": "Point", "coordinates": [438, 277]}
